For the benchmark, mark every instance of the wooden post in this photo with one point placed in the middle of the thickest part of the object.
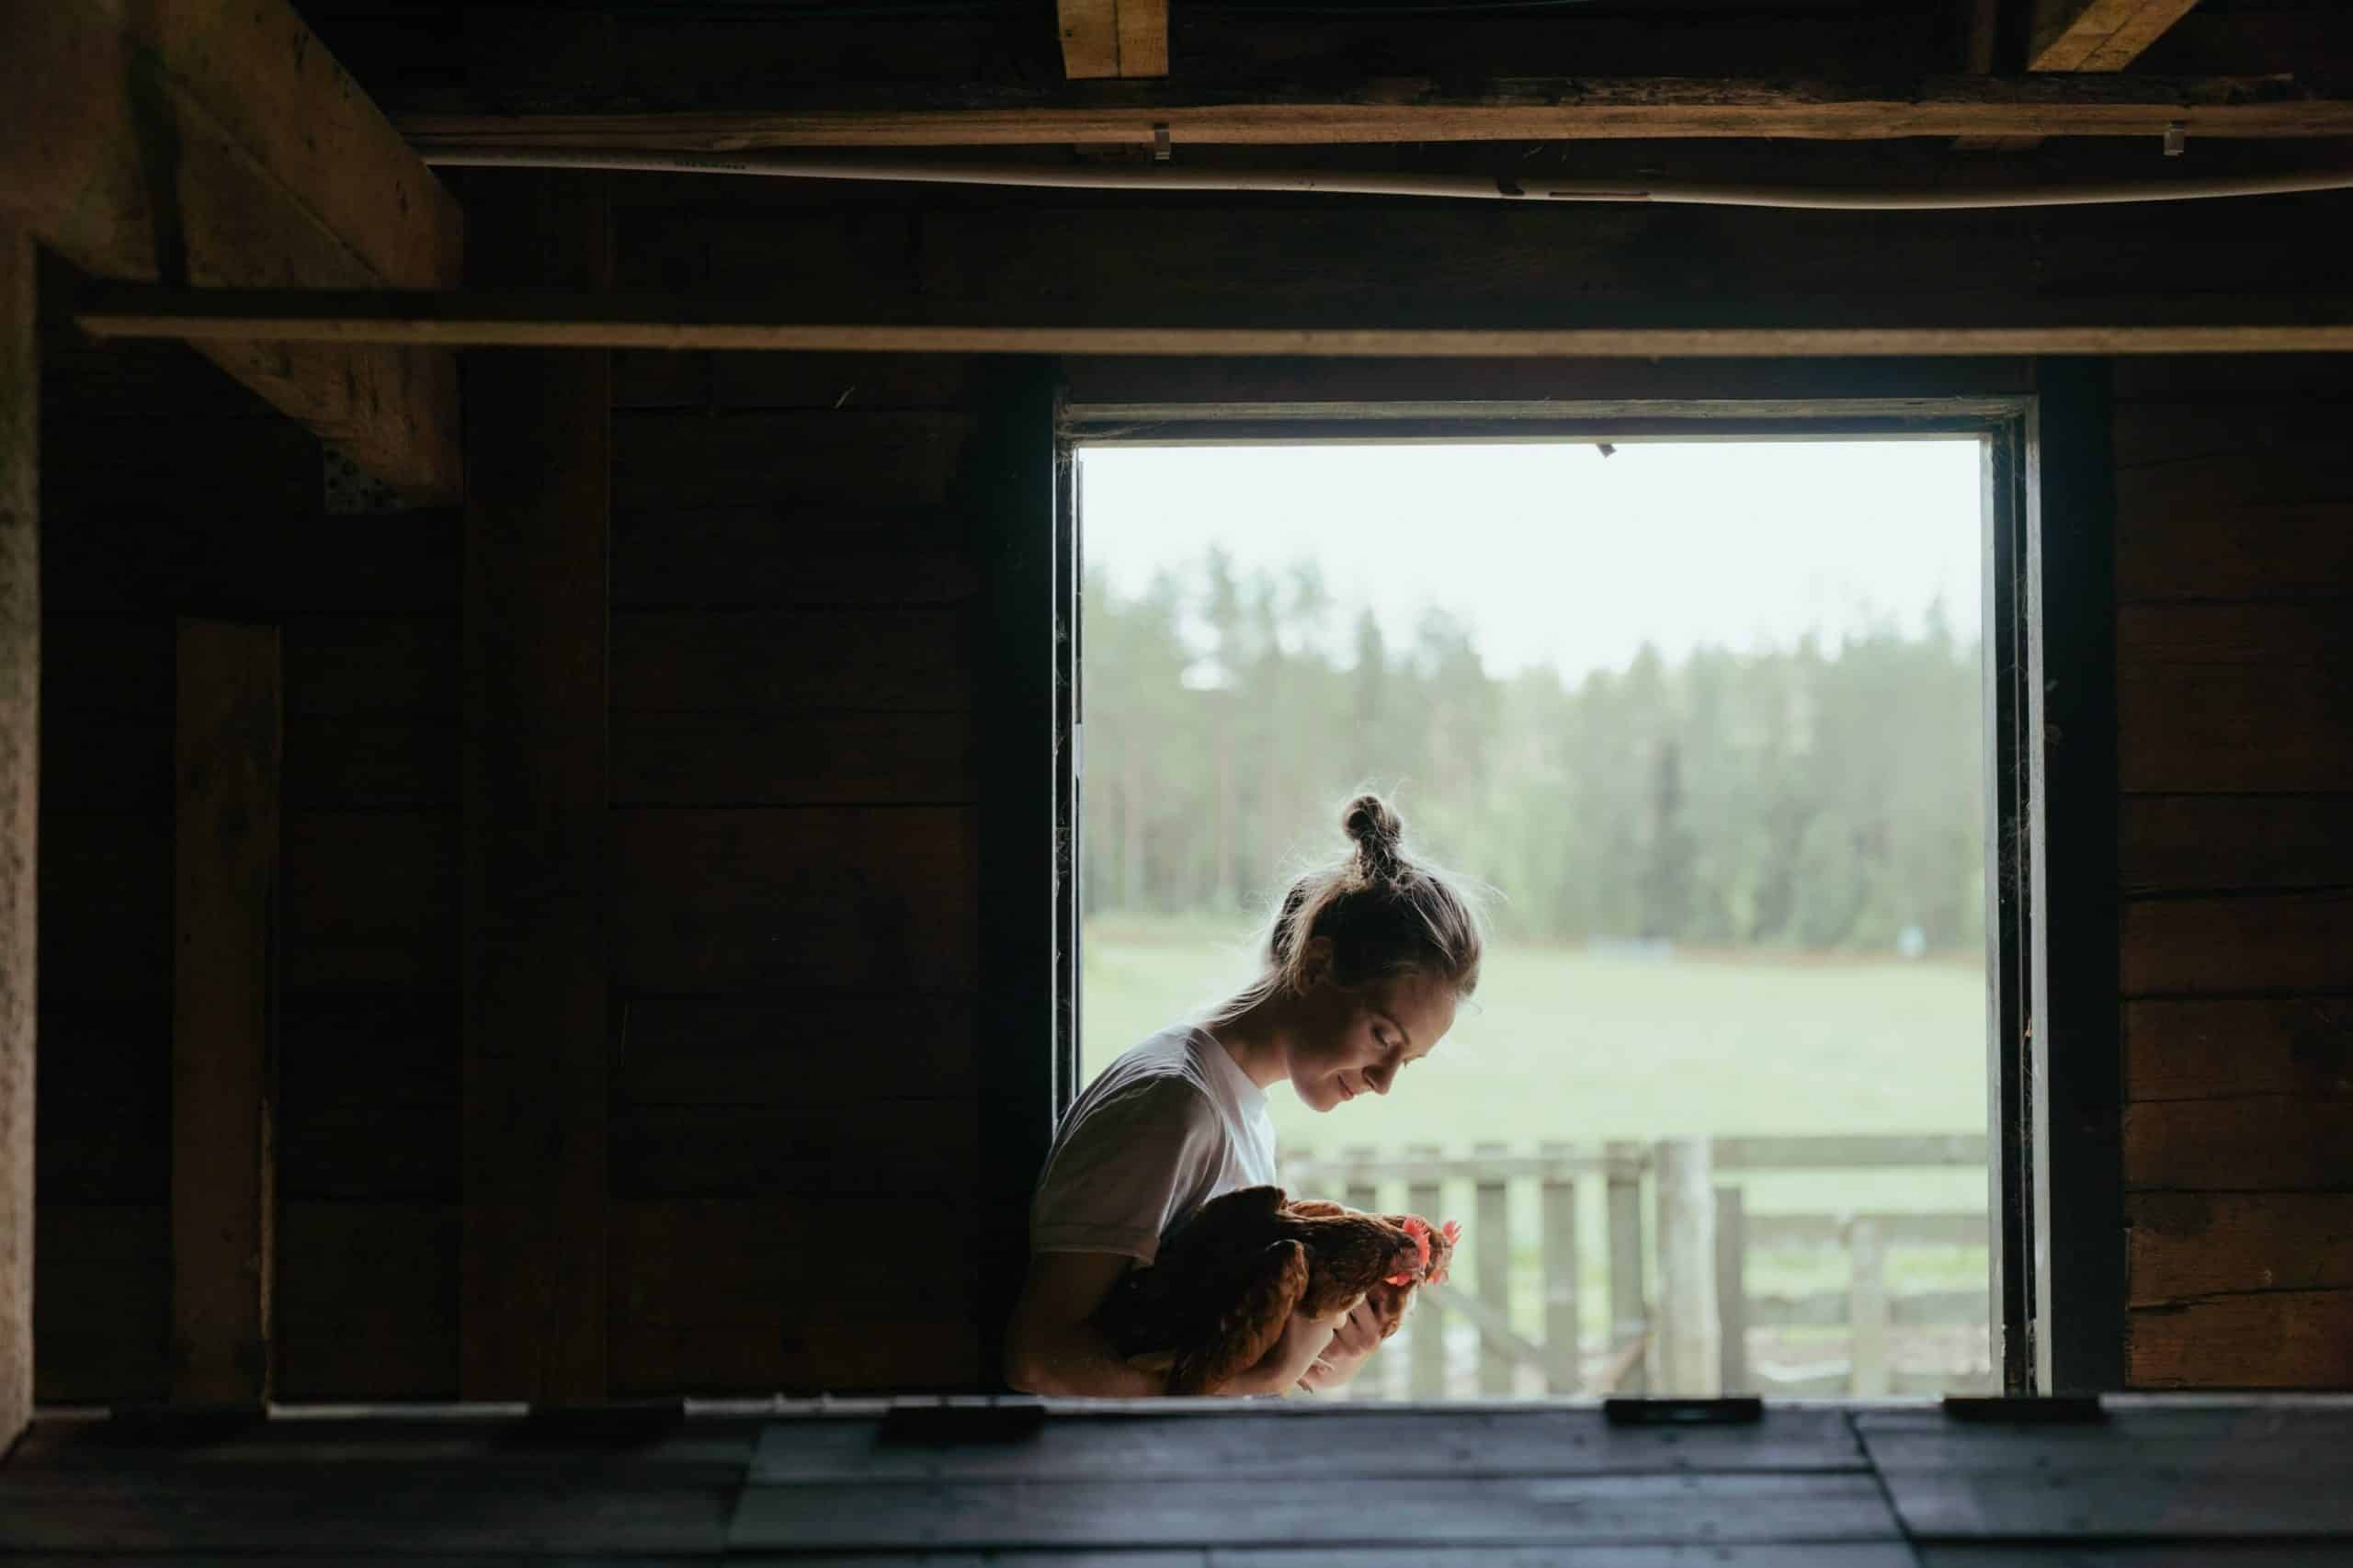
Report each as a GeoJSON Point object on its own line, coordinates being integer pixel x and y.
{"type": "Point", "coordinates": [1493, 1250]}
{"type": "Point", "coordinates": [1690, 1339]}
{"type": "Point", "coordinates": [1732, 1288]}
{"type": "Point", "coordinates": [225, 855]}
{"type": "Point", "coordinates": [19, 780]}
{"type": "Point", "coordinates": [1866, 1309]}
{"type": "Point", "coordinates": [1427, 1324]}
{"type": "Point", "coordinates": [537, 1025]}
{"type": "Point", "coordinates": [1629, 1319]}
{"type": "Point", "coordinates": [1559, 1201]}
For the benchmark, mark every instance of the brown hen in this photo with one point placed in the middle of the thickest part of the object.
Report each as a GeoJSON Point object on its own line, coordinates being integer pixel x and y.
{"type": "Point", "coordinates": [1230, 1277]}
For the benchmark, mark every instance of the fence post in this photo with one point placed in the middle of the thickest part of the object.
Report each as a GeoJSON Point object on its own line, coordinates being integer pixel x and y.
{"type": "Point", "coordinates": [1427, 1324]}
{"type": "Point", "coordinates": [1866, 1308]}
{"type": "Point", "coordinates": [1559, 1244]}
{"type": "Point", "coordinates": [1628, 1317]}
{"type": "Point", "coordinates": [1732, 1286]}
{"type": "Point", "coordinates": [1493, 1249]}
{"type": "Point", "coordinates": [1363, 1195]}
{"type": "Point", "coordinates": [1691, 1338]}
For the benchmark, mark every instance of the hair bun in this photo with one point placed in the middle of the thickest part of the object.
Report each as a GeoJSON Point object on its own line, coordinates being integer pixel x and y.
{"type": "Point", "coordinates": [1376, 831]}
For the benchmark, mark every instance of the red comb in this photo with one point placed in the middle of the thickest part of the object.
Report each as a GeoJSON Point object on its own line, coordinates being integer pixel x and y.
{"type": "Point", "coordinates": [1453, 1230]}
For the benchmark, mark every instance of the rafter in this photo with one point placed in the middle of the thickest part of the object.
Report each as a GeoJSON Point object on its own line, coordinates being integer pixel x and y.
{"type": "Point", "coordinates": [214, 143]}
{"type": "Point", "coordinates": [1113, 37]}
{"type": "Point", "coordinates": [1543, 108]}
{"type": "Point", "coordinates": [2097, 35]}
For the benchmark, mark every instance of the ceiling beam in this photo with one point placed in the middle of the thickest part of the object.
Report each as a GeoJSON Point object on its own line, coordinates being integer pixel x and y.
{"type": "Point", "coordinates": [1995, 325]}
{"type": "Point", "coordinates": [1521, 109]}
{"type": "Point", "coordinates": [1113, 37]}
{"type": "Point", "coordinates": [2097, 35]}
{"type": "Point", "coordinates": [216, 142]}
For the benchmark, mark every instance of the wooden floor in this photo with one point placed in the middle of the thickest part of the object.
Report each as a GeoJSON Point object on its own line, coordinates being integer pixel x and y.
{"type": "Point", "coordinates": [2142, 1482]}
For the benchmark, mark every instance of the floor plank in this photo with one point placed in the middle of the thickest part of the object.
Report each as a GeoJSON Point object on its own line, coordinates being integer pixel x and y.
{"type": "Point", "coordinates": [2189, 1473]}
{"type": "Point", "coordinates": [1455, 1513]}
{"type": "Point", "coordinates": [1401, 1443]}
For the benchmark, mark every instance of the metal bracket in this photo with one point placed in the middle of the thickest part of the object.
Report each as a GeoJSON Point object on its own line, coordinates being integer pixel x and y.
{"type": "Point", "coordinates": [2176, 138]}
{"type": "Point", "coordinates": [1161, 150]}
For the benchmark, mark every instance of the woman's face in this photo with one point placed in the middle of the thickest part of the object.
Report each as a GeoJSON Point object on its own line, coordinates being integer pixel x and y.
{"type": "Point", "coordinates": [1355, 1042]}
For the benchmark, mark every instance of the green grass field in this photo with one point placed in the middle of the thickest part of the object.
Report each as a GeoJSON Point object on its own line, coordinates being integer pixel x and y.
{"type": "Point", "coordinates": [1561, 1044]}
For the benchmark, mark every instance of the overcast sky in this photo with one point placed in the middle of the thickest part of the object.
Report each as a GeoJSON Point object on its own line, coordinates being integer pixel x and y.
{"type": "Point", "coordinates": [1558, 554]}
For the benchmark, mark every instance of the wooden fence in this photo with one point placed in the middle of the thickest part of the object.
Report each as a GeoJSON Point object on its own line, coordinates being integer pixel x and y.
{"type": "Point", "coordinates": [1681, 1310]}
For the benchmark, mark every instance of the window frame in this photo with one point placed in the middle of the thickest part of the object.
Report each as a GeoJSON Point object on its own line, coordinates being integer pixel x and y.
{"type": "Point", "coordinates": [2055, 1273]}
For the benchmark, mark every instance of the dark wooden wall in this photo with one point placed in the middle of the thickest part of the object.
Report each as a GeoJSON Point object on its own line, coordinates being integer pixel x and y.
{"type": "Point", "coordinates": [794, 633]}
{"type": "Point", "coordinates": [2234, 664]}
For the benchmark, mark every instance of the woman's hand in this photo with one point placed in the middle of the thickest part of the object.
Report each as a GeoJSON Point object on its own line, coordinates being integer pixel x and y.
{"type": "Point", "coordinates": [1303, 1341]}
{"type": "Point", "coordinates": [1358, 1337]}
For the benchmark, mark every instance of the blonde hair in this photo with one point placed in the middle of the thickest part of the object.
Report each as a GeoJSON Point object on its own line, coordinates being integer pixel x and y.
{"type": "Point", "coordinates": [1385, 914]}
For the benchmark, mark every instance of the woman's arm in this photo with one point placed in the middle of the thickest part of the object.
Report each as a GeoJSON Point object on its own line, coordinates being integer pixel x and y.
{"type": "Point", "coordinates": [1052, 1344]}
{"type": "Point", "coordinates": [1053, 1347]}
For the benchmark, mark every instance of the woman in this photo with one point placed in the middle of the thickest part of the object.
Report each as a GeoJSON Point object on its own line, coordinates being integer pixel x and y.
{"type": "Point", "coordinates": [1365, 961]}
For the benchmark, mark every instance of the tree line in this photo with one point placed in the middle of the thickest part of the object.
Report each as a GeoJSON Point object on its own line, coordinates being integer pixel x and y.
{"type": "Point", "coordinates": [1811, 796]}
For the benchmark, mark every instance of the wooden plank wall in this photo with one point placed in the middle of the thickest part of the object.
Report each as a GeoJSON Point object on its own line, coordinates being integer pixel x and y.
{"type": "Point", "coordinates": [2234, 631]}
{"type": "Point", "coordinates": [173, 492]}
{"type": "Point", "coordinates": [795, 925]}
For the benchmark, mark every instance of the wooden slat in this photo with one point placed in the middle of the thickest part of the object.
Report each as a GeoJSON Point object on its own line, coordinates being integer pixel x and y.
{"type": "Point", "coordinates": [403, 935]}
{"type": "Point", "coordinates": [2186, 843]}
{"type": "Point", "coordinates": [1629, 1314]}
{"type": "Point", "coordinates": [2208, 1243]}
{"type": "Point", "coordinates": [796, 460]}
{"type": "Point", "coordinates": [370, 1107]}
{"type": "Point", "coordinates": [2219, 1473]}
{"type": "Point", "coordinates": [753, 900]}
{"type": "Point", "coordinates": [372, 666]}
{"type": "Point", "coordinates": [2201, 1050]}
{"type": "Point", "coordinates": [102, 1303]}
{"type": "Point", "coordinates": [1539, 110]}
{"type": "Point", "coordinates": [1144, 37]}
{"type": "Point", "coordinates": [909, 1147]}
{"type": "Point", "coordinates": [275, 171]}
{"type": "Point", "coordinates": [1867, 1310]}
{"type": "Point", "coordinates": [1361, 1443]}
{"type": "Point", "coordinates": [1731, 1289]}
{"type": "Point", "coordinates": [2215, 728]}
{"type": "Point", "coordinates": [772, 1261]}
{"type": "Point", "coordinates": [368, 1305]}
{"type": "Point", "coordinates": [1491, 1250]}
{"type": "Point", "coordinates": [1090, 37]}
{"type": "Point", "coordinates": [1831, 1154]}
{"type": "Point", "coordinates": [1557, 1201]}
{"type": "Point", "coordinates": [106, 905]}
{"type": "Point", "coordinates": [753, 661]}
{"type": "Point", "coordinates": [2267, 942]}
{"type": "Point", "coordinates": [1769, 1230]}
{"type": "Point", "coordinates": [704, 1051]}
{"type": "Point", "coordinates": [2096, 35]}
{"type": "Point", "coordinates": [225, 859]}
{"type": "Point", "coordinates": [20, 660]}
{"type": "Point", "coordinates": [2276, 1339]}
{"type": "Point", "coordinates": [819, 759]}
{"type": "Point", "coordinates": [752, 557]}
{"type": "Point", "coordinates": [2260, 1143]}
{"type": "Point", "coordinates": [2199, 549]}
{"type": "Point", "coordinates": [1453, 1512]}
{"type": "Point", "coordinates": [536, 950]}
{"type": "Point", "coordinates": [1977, 326]}
{"type": "Point", "coordinates": [1426, 1377]}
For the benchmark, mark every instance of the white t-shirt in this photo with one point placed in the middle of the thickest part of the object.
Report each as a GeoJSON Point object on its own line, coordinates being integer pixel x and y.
{"type": "Point", "coordinates": [1167, 1127]}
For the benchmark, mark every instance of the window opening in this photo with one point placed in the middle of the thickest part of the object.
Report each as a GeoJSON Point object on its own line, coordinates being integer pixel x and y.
{"type": "Point", "coordinates": [1710, 716]}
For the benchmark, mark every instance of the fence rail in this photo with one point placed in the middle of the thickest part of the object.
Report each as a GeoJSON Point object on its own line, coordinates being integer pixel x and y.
{"type": "Point", "coordinates": [1681, 1312]}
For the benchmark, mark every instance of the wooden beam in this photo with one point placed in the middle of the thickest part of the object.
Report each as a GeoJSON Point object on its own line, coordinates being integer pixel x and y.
{"type": "Point", "coordinates": [2097, 35]}
{"type": "Point", "coordinates": [1113, 37]}
{"type": "Point", "coordinates": [20, 779]}
{"type": "Point", "coordinates": [225, 859]}
{"type": "Point", "coordinates": [2192, 325]}
{"type": "Point", "coordinates": [1535, 108]}
{"type": "Point", "coordinates": [215, 141]}
{"type": "Point", "coordinates": [537, 1027]}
